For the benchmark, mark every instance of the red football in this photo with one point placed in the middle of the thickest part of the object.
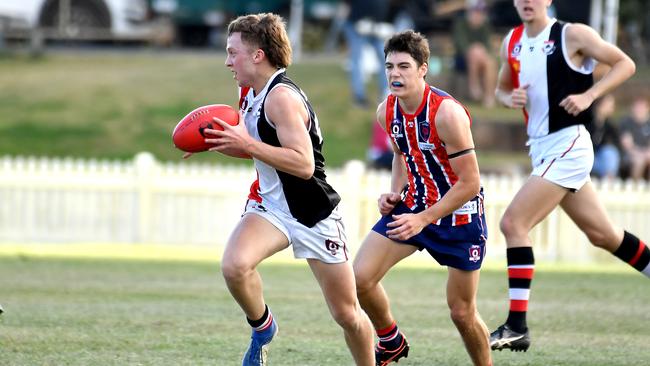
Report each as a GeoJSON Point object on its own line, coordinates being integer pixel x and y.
{"type": "Point", "coordinates": [188, 134]}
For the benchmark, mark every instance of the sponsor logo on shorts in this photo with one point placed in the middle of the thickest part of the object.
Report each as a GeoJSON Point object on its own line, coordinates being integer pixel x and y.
{"type": "Point", "coordinates": [468, 208]}
{"type": "Point", "coordinates": [332, 246]}
{"type": "Point", "coordinates": [475, 253]}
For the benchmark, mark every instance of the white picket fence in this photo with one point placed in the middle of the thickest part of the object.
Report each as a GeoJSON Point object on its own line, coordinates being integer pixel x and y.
{"type": "Point", "coordinates": [45, 200]}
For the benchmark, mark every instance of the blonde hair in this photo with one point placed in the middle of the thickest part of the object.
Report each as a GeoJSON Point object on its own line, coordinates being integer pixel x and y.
{"type": "Point", "coordinates": [267, 32]}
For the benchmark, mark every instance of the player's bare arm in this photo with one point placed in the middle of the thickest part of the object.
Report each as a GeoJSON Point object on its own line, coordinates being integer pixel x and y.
{"type": "Point", "coordinates": [289, 115]}
{"type": "Point", "coordinates": [387, 201]}
{"type": "Point", "coordinates": [582, 42]}
{"type": "Point", "coordinates": [506, 93]}
{"type": "Point", "coordinates": [453, 126]}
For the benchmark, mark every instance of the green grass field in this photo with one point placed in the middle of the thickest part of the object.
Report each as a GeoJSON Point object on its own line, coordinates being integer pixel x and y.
{"type": "Point", "coordinates": [90, 311]}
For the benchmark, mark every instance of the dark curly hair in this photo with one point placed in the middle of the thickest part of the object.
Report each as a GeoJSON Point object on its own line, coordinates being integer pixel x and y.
{"type": "Point", "coordinates": [411, 42]}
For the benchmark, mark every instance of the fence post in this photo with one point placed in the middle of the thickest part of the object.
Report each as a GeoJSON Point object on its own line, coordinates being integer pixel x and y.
{"type": "Point", "coordinates": [354, 173]}
{"type": "Point", "coordinates": [145, 170]}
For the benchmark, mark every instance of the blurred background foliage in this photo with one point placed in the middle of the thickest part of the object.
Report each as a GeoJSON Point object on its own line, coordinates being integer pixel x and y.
{"type": "Point", "coordinates": [112, 98]}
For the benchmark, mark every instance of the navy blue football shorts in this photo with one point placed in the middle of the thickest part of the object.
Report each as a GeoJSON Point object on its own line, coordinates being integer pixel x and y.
{"type": "Point", "coordinates": [461, 247]}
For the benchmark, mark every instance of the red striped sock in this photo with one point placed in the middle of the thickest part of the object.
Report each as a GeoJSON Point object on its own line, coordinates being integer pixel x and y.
{"type": "Point", "coordinates": [521, 266]}
{"type": "Point", "coordinates": [521, 275]}
{"type": "Point", "coordinates": [390, 337]}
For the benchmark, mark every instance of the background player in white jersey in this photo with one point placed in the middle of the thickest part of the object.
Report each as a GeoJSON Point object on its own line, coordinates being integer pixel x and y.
{"type": "Point", "coordinates": [435, 201]}
{"type": "Point", "coordinates": [291, 202]}
{"type": "Point", "coordinates": [546, 70]}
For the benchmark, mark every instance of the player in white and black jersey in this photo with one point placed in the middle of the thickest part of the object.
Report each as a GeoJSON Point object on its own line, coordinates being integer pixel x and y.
{"type": "Point", "coordinates": [291, 202]}
{"type": "Point", "coordinates": [546, 70]}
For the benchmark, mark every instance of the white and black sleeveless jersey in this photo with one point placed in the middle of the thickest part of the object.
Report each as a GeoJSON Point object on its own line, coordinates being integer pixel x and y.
{"type": "Point", "coordinates": [542, 63]}
{"type": "Point", "coordinates": [309, 201]}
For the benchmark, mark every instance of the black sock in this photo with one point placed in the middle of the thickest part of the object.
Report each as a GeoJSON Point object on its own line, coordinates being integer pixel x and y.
{"type": "Point", "coordinates": [257, 323]}
{"type": "Point", "coordinates": [635, 253]}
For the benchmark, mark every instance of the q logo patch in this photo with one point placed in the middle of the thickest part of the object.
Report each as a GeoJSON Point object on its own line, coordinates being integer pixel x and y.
{"type": "Point", "coordinates": [475, 253]}
{"type": "Point", "coordinates": [332, 247]}
{"type": "Point", "coordinates": [396, 129]}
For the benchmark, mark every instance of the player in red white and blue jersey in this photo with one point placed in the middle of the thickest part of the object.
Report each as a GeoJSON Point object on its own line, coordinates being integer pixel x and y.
{"type": "Point", "coordinates": [435, 202]}
{"type": "Point", "coordinates": [546, 70]}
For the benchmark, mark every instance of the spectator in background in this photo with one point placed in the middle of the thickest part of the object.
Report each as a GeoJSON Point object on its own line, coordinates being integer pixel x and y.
{"type": "Point", "coordinates": [471, 36]}
{"type": "Point", "coordinates": [605, 139]}
{"type": "Point", "coordinates": [367, 24]}
{"type": "Point", "coordinates": [380, 152]}
{"type": "Point", "coordinates": [635, 138]}
{"type": "Point", "coordinates": [418, 15]}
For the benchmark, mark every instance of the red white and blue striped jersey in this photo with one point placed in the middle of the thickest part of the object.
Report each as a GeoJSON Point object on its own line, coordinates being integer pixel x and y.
{"type": "Point", "coordinates": [430, 175]}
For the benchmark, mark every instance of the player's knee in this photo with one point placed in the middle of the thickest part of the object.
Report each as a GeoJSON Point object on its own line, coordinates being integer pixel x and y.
{"type": "Point", "coordinates": [235, 270]}
{"type": "Point", "coordinates": [462, 314]}
{"type": "Point", "coordinates": [363, 282]}
{"type": "Point", "coordinates": [347, 317]}
{"type": "Point", "coordinates": [508, 226]}
{"type": "Point", "coordinates": [602, 239]}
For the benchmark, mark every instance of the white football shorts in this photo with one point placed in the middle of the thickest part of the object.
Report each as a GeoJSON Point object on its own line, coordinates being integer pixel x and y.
{"type": "Point", "coordinates": [326, 241]}
{"type": "Point", "coordinates": [564, 157]}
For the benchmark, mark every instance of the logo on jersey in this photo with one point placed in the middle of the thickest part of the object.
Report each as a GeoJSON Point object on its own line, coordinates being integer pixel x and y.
{"type": "Point", "coordinates": [396, 129]}
{"type": "Point", "coordinates": [244, 104]}
{"type": "Point", "coordinates": [259, 207]}
{"type": "Point", "coordinates": [516, 50]}
{"type": "Point", "coordinates": [549, 47]}
{"type": "Point", "coordinates": [424, 132]}
{"type": "Point", "coordinates": [332, 247]}
{"type": "Point", "coordinates": [424, 129]}
{"type": "Point", "coordinates": [475, 253]}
